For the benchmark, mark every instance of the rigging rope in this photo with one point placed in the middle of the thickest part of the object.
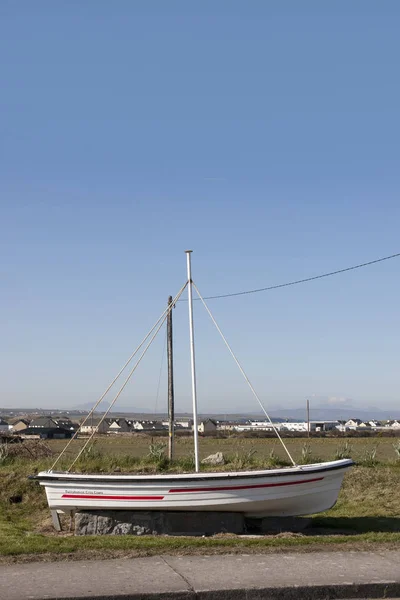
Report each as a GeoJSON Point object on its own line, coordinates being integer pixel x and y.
{"type": "Point", "coordinates": [90, 414]}
{"type": "Point", "coordinates": [169, 308]}
{"type": "Point", "coordinates": [160, 373]}
{"type": "Point", "coordinates": [245, 376]}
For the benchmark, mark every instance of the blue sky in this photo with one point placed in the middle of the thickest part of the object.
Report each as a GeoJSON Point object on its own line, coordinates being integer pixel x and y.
{"type": "Point", "coordinates": [263, 135]}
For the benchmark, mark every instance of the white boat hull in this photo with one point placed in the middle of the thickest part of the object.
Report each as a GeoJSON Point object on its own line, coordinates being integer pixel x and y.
{"type": "Point", "coordinates": [290, 491]}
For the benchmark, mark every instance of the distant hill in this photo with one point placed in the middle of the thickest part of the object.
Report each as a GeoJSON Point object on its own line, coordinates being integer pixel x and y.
{"type": "Point", "coordinates": [322, 413]}
{"type": "Point", "coordinates": [103, 406]}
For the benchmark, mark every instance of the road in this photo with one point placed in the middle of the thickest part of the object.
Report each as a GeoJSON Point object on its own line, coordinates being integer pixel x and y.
{"type": "Point", "coordinates": [284, 576]}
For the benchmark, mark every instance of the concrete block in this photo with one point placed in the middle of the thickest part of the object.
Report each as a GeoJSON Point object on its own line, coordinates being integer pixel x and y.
{"type": "Point", "coordinates": [130, 522]}
{"type": "Point", "coordinates": [202, 523]}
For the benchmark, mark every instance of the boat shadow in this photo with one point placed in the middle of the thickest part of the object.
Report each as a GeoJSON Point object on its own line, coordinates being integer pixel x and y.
{"type": "Point", "coordinates": [322, 526]}
{"type": "Point", "coordinates": [352, 525]}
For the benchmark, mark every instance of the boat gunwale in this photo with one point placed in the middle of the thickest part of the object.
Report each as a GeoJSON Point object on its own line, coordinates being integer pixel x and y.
{"type": "Point", "coordinates": [64, 477]}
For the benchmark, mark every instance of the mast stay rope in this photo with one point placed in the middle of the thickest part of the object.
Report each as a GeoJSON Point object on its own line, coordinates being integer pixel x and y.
{"type": "Point", "coordinates": [157, 326]}
{"type": "Point", "coordinates": [245, 377]}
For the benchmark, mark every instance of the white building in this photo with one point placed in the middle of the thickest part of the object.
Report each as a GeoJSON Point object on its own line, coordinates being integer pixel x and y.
{"type": "Point", "coordinates": [395, 424]}
{"type": "Point", "coordinates": [287, 426]}
{"type": "Point", "coordinates": [180, 423]}
{"type": "Point", "coordinates": [184, 422]}
{"type": "Point", "coordinates": [148, 425]}
{"type": "Point", "coordinates": [258, 426]}
{"type": "Point", "coordinates": [228, 425]}
{"type": "Point", "coordinates": [314, 426]}
{"type": "Point", "coordinates": [341, 426]}
{"type": "Point", "coordinates": [353, 424]}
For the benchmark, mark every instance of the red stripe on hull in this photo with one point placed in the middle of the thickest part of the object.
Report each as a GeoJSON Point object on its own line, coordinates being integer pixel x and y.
{"type": "Point", "coordinates": [95, 497]}
{"type": "Point", "coordinates": [241, 487]}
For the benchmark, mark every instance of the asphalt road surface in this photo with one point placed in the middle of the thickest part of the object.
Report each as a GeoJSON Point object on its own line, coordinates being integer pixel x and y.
{"type": "Point", "coordinates": [289, 575]}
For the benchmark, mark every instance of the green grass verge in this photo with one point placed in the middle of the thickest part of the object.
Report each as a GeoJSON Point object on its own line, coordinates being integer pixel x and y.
{"type": "Point", "coordinates": [367, 513]}
{"type": "Point", "coordinates": [147, 546]}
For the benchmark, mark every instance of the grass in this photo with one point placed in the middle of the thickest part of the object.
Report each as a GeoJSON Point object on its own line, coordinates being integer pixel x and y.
{"type": "Point", "coordinates": [325, 448]}
{"type": "Point", "coordinates": [367, 513]}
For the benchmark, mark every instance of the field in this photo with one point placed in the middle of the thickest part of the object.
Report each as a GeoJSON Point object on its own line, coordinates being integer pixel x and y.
{"type": "Point", "coordinates": [324, 448]}
{"type": "Point", "coordinates": [368, 510]}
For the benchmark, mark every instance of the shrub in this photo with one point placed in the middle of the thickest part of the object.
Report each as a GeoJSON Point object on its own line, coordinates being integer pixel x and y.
{"type": "Point", "coordinates": [396, 447]}
{"type": "Point", "coordinates": [187, 463]}
{"type": "Point", "coordinates": [243, 460]}
{"type": "Point", "coordinates": [273, 459]}
{"type": "Point", "coordinates": [307, 456]}
{"type": "Point", "coordinates": [369, 458]}
{"type": "Point", "coordinates": [157, 451]}
{"type": "Point", "coordinates": [344, 451]}
{"type": "Point", "coordinates": [4, 454]}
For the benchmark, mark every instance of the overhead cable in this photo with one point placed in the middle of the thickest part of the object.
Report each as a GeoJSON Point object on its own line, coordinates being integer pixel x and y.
{"type": "Point", "coordinates": [281, 285]}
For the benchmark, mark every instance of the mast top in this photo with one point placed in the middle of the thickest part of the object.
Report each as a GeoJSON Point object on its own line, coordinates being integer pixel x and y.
{"type": "Point", "coordinates": [188, 251]}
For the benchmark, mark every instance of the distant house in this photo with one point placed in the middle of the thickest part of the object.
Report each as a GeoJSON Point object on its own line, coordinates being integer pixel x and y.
{"type": "Point", "coordinates": [43, 421]}
{"type": "Point", "coordinates": [4, 426]}
{"type": "Point", "coordinates": [120, 426]}
{"type": "Point", "coordinates": [227, 425]}
{"type": "Point", "coordinates": [323, 425]}
{"type": "Point", "coordinates": [261, 425]}
{"type": "Point", "coordinates": [48, 433]}
{"type": "Point", "coordinates": [157, 426]}
{"type": "Point", "coordinates": [371, 424]}
{"type": "Point", "coordinates": [181, 423]}
{"type": "Point", "coordinates": [341, 425]}
{"type": "Point", "coordinates": [353, 423]}
{"type": "Point", "coordinates": [393, 424]}
{"type": "Point", "coordinates": [66, 423]}
{"type": "Point", "coordinates": [295, 426]}
{"type": "Point", "coordinates": [207, 426]}
{"type": "Point", "coordinates": [95, 425]}
{"type": "Point", "coordinates": [19, 425]}
{"type": "Point", "coordinates": [184, 422]}
{"type": "Point", "coordinates": [302, 426]}
{"type": "Point", "coordinates": [148, 426]}
{"type": "Point", "coordinates": [254, 426]}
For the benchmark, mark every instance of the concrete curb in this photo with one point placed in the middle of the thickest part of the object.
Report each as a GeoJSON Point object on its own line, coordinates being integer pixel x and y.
{"type": "Point", "coordinates": [387, 590]}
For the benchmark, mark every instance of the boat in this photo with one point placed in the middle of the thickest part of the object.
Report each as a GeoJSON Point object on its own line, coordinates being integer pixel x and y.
{"type": "Point", "coordinates": [283, 492]}
{"type": "Point", "coordinates": [292, 491]}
